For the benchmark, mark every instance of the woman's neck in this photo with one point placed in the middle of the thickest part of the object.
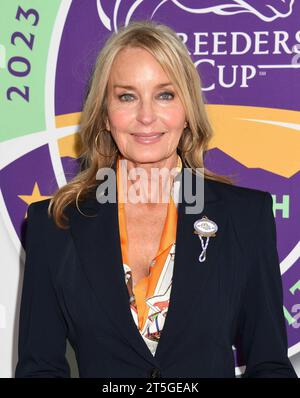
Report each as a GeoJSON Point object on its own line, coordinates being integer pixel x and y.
{"type": "Point", "coordinates": [148, 183]}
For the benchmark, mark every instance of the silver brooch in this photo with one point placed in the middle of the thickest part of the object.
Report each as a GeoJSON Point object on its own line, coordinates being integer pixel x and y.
{"type": "Point", "coordinates": [205, 228]}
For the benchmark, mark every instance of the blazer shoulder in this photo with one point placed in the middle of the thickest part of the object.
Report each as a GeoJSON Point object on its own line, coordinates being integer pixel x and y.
{"type": "Point", "coordinates": [52, 239]}
{"type": "Point", "coordinates": [40, 206]}
{"type": "Point", "coordinates": [38, 213]}
{"type": "Point", "coordinates": [236, 194]}
{"type": "Point", "coordinates": [38, 210]}
{"type": "Point", "coordinates": [246, 205]}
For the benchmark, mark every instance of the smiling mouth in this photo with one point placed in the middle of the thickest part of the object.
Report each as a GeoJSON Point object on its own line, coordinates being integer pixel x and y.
{"type": "Point", "coordinates": [149, 138]}
{"type": "Point", "coordinates": [147, 135]}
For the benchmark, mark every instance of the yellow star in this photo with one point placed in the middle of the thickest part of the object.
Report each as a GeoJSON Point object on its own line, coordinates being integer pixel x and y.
{"type": "Point", "coordinates": [34, 197]}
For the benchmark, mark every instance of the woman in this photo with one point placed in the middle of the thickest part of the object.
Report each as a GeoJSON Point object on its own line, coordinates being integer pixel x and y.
{"type": "Point", "coordinates": [100, 273]}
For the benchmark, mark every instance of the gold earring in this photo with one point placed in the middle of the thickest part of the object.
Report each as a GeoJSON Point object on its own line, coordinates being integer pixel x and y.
{"type": "Point", "coordinates": [192, 146]}
{"type": "Point", "coordinates": [96, 145]}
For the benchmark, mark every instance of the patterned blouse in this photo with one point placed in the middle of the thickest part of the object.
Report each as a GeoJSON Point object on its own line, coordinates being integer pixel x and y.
{"type": "Point", "coordinates": [149, 298]}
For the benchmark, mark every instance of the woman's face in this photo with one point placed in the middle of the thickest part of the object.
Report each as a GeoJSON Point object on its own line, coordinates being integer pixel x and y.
{"type": "Point", "coordinates": [146, 118]}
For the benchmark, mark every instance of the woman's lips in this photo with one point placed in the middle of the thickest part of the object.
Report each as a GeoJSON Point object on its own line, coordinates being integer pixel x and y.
{"type": "Point", "coordinates": [147, 138]}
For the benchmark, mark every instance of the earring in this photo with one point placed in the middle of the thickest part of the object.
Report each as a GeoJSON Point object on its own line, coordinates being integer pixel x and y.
{"type": "Point", "coordinates": [188, 132]}
{"type": "Point", "coordinates": [96, 145]}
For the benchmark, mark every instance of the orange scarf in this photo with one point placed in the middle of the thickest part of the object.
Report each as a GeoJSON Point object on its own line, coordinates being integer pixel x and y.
{"type": "Point", "coordinates": [146, 287]}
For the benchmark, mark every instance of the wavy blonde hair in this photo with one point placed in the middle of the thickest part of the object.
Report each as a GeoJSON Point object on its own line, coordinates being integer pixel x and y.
{"type": "Point", "coordinates": [98, 149]}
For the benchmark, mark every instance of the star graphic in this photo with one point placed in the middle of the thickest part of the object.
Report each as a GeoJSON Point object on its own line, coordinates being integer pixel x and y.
{"type": "Point", "coordinates": [34, 197]}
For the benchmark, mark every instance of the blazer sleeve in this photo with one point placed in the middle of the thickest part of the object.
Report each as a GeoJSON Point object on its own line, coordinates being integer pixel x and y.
{"type": "Point", "coordinates": [262, 329]}
{"type": "Point", "coordinates": [42, 329]}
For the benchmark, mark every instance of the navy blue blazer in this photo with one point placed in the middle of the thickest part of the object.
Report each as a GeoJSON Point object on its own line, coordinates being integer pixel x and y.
{"type": "Point", "coordinates": [74, 288]}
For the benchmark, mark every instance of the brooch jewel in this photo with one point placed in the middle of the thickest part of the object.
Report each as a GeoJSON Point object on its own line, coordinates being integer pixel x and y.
{"type": "Point", "coordinates": [205, 228]}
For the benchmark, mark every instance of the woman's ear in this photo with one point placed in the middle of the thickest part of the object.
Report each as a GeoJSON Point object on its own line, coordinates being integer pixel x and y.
{"type": "Point", "coordinates": [107, 125]}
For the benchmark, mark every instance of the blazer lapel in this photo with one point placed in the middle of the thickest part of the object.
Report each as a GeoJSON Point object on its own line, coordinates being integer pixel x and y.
{"type": "Point", "coordinates": [98, 245]}
{"type": "Point", "coordinates": [190, 275]}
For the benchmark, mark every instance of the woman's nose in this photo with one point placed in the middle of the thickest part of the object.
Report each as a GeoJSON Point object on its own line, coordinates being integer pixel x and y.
{"type": "Point", "coordinates": [146, 112]}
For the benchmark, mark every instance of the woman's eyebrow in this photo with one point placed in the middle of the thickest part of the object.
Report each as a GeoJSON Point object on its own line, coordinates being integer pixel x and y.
{"type": "Point", "coordinates": [133, 88]}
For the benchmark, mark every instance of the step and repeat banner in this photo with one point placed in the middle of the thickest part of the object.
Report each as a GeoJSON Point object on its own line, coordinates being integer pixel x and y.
{"type": "Point", "coordinates": [248, 55]}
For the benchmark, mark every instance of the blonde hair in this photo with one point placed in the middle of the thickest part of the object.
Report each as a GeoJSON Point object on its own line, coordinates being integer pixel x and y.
{"type": "Point", "coordinates": [98, 149]}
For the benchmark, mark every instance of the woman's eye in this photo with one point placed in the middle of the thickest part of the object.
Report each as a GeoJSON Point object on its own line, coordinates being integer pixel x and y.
{"type": "Point", "coordinates": [167, 95]}
{"type": "Point", "coordinates": [124, 95]}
